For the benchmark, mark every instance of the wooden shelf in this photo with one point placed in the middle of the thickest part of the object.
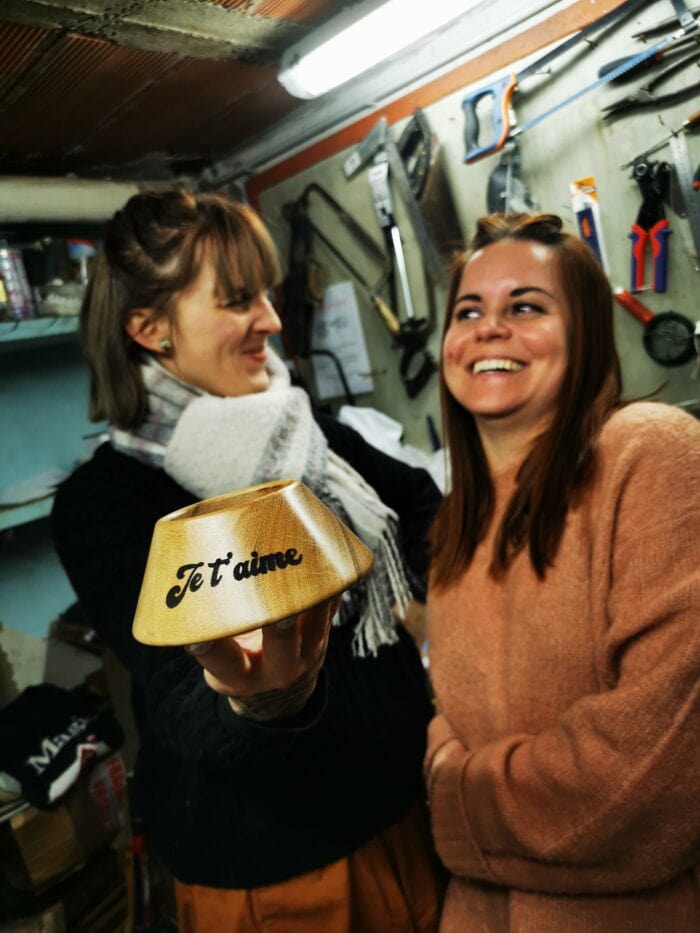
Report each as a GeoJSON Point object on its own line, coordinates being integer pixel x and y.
{"type": "Point", "coordinates": [40, 331]}
{"type": "Point", "coordinates": [13, 515]}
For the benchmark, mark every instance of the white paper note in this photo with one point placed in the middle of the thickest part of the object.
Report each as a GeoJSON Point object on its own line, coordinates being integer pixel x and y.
{"type": "Point", "coordinates": [337, 327]}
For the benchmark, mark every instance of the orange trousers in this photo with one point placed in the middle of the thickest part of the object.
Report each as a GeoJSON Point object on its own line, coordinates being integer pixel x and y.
{"type": "Point", "coordinates": [393, 884]}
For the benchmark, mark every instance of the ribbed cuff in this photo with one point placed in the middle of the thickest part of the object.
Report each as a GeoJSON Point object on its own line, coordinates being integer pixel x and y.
{"type": "Point", "coordinates": [454, 841]}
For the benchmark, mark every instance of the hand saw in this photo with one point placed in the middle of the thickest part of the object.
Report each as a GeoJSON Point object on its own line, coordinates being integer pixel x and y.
{"type": "Point", "coordinates": [371, 249]}
{"type": "Point", "coordinates": [378, 139]}
{"type": "Point", "coordinates": [502, 90]}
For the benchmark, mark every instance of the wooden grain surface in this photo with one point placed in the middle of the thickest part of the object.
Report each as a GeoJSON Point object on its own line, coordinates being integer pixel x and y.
{"type": "Point", "coordinates": [243, 560]}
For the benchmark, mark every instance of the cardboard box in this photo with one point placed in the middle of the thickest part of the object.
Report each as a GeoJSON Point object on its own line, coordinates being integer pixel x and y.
{"type": "Point", "coordinates": [39, 847]}
{"type": "Point", "coordinates": [91, 900]}
{"type": "Point", "coordinates": [50, 920]}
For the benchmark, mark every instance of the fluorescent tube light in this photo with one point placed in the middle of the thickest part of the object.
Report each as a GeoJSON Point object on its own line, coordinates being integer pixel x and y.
{"type": "Point", "coordinates": [347, 46]}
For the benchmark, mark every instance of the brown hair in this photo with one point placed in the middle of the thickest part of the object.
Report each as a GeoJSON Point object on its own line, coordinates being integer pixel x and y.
{"type": "Point", "coordinates": [153, 249]}
{"type": "Point", "coordinates": [562, 458]}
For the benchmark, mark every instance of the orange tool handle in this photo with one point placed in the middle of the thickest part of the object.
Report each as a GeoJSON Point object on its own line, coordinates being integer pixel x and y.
{"type": "Point", "coordinates": [501, 94]}
{"type": "Point", "coordinates": [635, 308]}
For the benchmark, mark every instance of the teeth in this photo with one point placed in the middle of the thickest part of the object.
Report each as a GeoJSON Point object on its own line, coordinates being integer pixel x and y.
{"type": "Point", "coordinates": [496, 365]}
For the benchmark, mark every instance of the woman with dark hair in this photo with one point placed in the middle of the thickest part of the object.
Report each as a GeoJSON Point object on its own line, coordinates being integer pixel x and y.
{"type": "Point", "coordinates": [279, 779]}
{"type": "Point", "coordinates": [563, 608]}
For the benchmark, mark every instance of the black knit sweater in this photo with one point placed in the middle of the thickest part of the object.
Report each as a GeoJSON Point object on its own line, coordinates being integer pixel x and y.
{"type": "Point", "coordinates": [228, 802]}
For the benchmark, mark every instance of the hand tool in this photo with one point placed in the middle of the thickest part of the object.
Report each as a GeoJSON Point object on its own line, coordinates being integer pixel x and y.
{"type": "Point", "coordinates": [688, 33]}
{"type": "Point", "coordinates": [303, 291]}
{"type": "Point", "coordinates": [648, 63]}
{"type": "Point", "coordinates": [668, 336]}
{"type": "Point", "coordinates": [303, 286]}
{"type": "Point", "coordinates": [423, 156]}
{"type": "Point", "coordinates": [651, 227]}
{"type": "Point", "coordinates": [689, 194]}
{"type": "Point", "coordinates": [414, 145]}
{"type": "Point", "coordinates": [586, 207]}
{"type": "Point", "coordinates": [689, 124]}
{"type": "Point", "coordinates": [380, 138]}
{"type": "Point", "coordinates": [384, 209]}
{"type": "Point", "coordinates": [416, 365]}
{"type": "Point", "coordinates": [506, 191]}
{"type": "Point", "coordinates": [371, 249]}
{"type": "Point", "coordinates": [644, 96]}
{"type": "Point", "coordinates": [433, 435]}
{"type": "Point", "coordinates": [501, 91]}
{"type": "Point", "coordinates": [662, 26]}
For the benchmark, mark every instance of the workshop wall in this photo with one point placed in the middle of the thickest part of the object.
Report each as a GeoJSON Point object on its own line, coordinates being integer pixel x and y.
{"type": "Point", "coordinates": [571, 144]}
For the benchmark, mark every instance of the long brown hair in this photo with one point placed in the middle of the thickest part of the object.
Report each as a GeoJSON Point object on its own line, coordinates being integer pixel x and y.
{"type": "Point", "coordinates": [153, 248]}
{"type": "Point", "coordinates": [562, 458]}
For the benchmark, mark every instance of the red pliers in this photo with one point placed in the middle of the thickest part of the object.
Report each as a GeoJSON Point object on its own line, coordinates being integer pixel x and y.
{"type": "Point", "coordinates": [651, 227]}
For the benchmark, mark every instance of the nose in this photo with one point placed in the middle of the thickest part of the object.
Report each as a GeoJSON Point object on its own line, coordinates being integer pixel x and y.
{"type": "Point", "coordinates": [492, 325]}
{"type": "Point", "coordinates": [266, 320]}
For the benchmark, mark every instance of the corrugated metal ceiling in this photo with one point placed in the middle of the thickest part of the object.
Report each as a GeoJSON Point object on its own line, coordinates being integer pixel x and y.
{"type": "Point", "coordinates": [141, 89]}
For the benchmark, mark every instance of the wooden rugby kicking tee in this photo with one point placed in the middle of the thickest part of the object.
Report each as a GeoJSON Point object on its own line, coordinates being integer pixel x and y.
{"type": "Point", "coordinates": [237, 562]}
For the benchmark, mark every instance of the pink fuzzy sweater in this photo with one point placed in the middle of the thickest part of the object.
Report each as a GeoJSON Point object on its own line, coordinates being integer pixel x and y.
{"type": "Point", "coordinates": [570, 802]}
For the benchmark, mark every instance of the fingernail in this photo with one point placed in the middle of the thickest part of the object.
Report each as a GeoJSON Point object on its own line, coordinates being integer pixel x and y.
{"type": "Point", "coordinates": [286, 623]}
{"type": "Point", "coordinates": [200, 647]}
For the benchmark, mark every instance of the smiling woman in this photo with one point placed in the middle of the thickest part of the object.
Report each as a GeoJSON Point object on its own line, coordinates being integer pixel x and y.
{"type": "Point", "coordinates": [505, 349]}
{"type": "Point", "coordinates": [276, 773]}
{"type": "Point", "coordinates": [562, 609]}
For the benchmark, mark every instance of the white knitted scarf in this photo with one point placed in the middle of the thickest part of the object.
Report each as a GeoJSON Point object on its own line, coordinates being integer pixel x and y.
{"type": "Point", "coordinates": [212, 445]}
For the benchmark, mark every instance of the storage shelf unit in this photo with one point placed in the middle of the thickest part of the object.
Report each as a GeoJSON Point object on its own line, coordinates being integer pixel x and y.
{"type": "Point", "coordinates": [29, 335]}
{"type": "Point", "coordinates": [11, 516]}
{"type": "Point", "coordinates": [44, 427]}
{"type": "Point", "coordinates": [40, 331]}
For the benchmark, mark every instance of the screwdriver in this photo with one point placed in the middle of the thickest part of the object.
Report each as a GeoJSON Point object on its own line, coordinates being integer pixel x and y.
{"type": "Point", "coordinates": [692, 122]}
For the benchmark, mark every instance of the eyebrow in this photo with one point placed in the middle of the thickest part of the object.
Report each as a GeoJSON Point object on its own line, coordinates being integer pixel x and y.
{"type": "Point", "coordinates": [516, 293]}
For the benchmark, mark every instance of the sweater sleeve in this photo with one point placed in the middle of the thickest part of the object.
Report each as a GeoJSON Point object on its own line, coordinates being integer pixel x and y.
{"type": "Point", "coordinates": [607, 799]}
{"type": "Point", "coordinates": [103, 538]}
{"type": "Point", "coordinates": [409, 491]}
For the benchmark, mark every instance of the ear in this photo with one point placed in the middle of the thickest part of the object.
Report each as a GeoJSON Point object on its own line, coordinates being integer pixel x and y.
{"type": "Point", "coordinates": [147, 328]}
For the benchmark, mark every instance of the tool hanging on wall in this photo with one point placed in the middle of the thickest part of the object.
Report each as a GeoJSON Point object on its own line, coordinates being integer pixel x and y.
{"type": "Point", "coordinates": [668, 336]}
{"type": "Point", "coordinates": [501, 91]}
{"type": "Point", "coordinates": [677, 47]}
{"type": "Point", "coordinates": [693, 122]}
{"type": "Point", "coordinates": [645, 95]}
{"type": "Point", "coordinates": [378, 139]}
{"type": "Point", "coordinates": [422, 156]}
{"type": "Point", "coordinates": [302, 288]}
{"type": "Point", "coordinates": [506, 192]}
{"type": "Point", "coordinates": [682, 182]}
{"type": "Point", "coordinates": [302, 293]}
{"type": "Point", "coordinates": [416, 364]}
{"type": "Point", "coordinates": [687, 187]}
{"type": "Point", "coordinates": [369, 247]}
{"type": "Point", "coordinates": [586, 207]}
{"type": "Point", "coordinates": [651, 227]}
{"type": "Point", "coordinates": [662, 26]}
{"type": "Point", "coordinates": [385, 165]}
{"type": "Point", "coordinates": [384, 209]}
